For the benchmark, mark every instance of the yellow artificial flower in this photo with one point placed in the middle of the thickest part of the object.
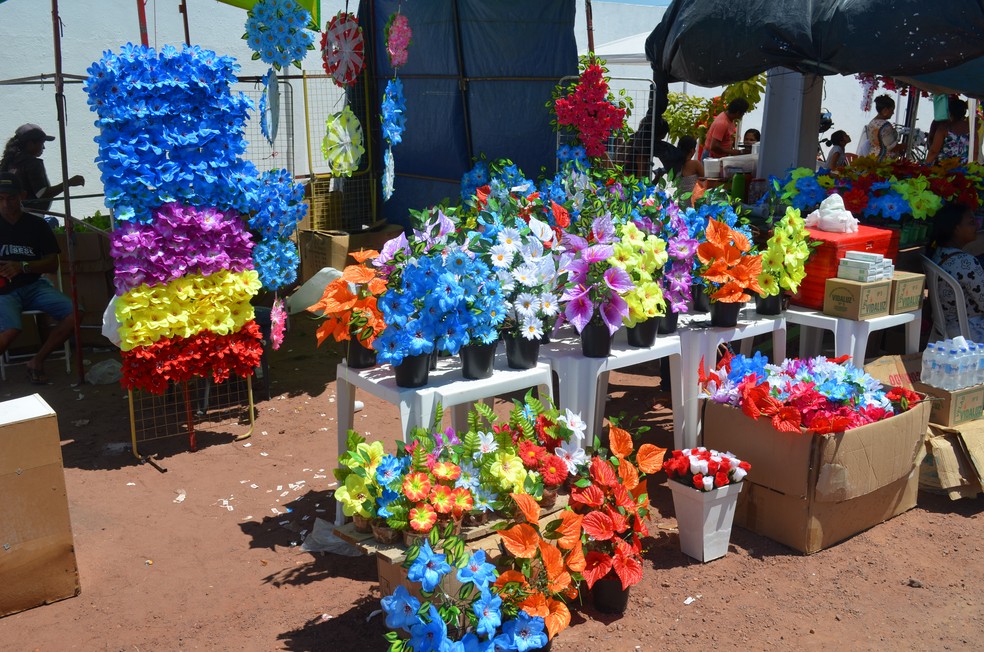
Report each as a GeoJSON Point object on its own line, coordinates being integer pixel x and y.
{"type": "Point", "coordinates": [768, 284]}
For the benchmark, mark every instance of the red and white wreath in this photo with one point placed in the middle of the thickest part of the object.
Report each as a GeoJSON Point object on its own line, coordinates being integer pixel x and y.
{"type": "Point", "coordinates": [343, 49]}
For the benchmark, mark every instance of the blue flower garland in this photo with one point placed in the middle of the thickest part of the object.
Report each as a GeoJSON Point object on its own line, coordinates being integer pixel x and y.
{"type": "Point", "coordinates": [393, 112]}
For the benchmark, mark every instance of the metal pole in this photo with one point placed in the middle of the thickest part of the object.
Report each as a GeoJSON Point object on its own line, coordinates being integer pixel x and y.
{"type": "Point", "coordinates": [183, 10]}
{"type": "Point", "coordinates": [590, 21]}
{"type": "Point", "coordinates": [142, 18]}
{"type": "Point", "coordinates": [63, 146]}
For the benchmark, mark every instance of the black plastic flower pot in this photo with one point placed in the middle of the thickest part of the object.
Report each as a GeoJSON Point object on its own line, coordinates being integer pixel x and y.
{"type": "Point", "coordinates": [477, 360]}
{"type": "Point", "coordinates": [413, 371]}
{"type": "Point", "coordinates": [432, 360]}
{"type": "Point", "coordinates": [768, 305]}
{"type": "Point", "coordinates": [358, 356]}
{"type": "Point", "coordinates": [725, 315]}
{"type": "Point", "coordinates": [667, 323]}
{"type": "Point", "coordinates": [596, 341]}
{"type": "Point", "coordinates": [702, 302]}
{"type": "Point", "coordinates": [643, 334]}
{"type": "Point", "coordinates": [522, 353]}
{"type": "Point", "coordinates": [608, 595]}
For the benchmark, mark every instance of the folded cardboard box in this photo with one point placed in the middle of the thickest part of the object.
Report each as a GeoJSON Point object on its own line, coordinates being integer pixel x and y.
{"type": "Point", "coordinates": [907, 292]}
{"type": "Point", "coordinates": [954, 463]}
{"type": "Point", "coordinates": [855, 300]}
{"type": "Point", "coordinates": [810, 491]}
{"type": "Point", "coordinates": [37, 553]}
{"type": "Point", "coordinates": [321, 249]}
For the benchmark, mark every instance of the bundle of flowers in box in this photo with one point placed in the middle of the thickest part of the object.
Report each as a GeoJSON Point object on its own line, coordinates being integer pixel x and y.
{"type": "Point", "coordinates": [820, 395]}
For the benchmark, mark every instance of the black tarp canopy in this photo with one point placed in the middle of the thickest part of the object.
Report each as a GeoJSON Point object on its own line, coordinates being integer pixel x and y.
{"type": "Point", "coordinates": [937, 45]}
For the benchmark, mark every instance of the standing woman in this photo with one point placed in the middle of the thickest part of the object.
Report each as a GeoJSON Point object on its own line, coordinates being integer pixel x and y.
{"type": "Point", "coordinates": [21, 157]}
{"type": "Point", "coordinates": [881, 139]}
{"type": "Point", "coordinates": [952, 138]}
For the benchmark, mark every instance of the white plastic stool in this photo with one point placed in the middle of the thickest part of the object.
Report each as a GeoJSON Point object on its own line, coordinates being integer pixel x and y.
{"type": "Point", "coordinates": [850, 337]}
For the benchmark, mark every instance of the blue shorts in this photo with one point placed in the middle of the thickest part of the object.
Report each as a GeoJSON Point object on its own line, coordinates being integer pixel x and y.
{"type": "Point", "coordinates": [39, 295]}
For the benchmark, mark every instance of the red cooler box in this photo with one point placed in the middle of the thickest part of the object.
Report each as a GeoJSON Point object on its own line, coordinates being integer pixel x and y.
{"type": "Point", "coordinates": [825, 256]}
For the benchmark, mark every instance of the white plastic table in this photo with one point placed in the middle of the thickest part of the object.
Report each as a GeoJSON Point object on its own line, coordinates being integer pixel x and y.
{"type": "Point", "coordinates": [698, 339]}
{"type": "Point", "coordinates": [850, 337]}
{"type": "Point", "coordinates": [583, 382]}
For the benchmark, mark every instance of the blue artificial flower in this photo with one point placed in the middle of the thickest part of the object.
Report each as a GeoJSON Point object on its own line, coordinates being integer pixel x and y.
{"type": "Point", "coordinates": [401, 609]}
{"type": "Point", "coordinates": [276, 31]}
{"type": "Point", "coordinates": [469, 478]}
{"type": "Point", "coordinates": [384, 501]}
{"type": "Point", "coordinates": [488, 609]}
{"type": "Point", "coordinates": [477, 571]}
{"type": "Point", "coordinates": [474, 179]}
{"type": "Point", "coordinates": [523, 633]}
{"type": "Point", "coordinates": [276, 262]}
{"type": "Point", "coordinates": [809, 193]}
{"type": "Point", "coordinates": [389, 173]}
{"type": "Point", "coordinates": [428, 568]}
{"type": "Point", "coordinates": [430, 636]}
{"type": "Point", "coordinates": [388, 470]}
{"type": "Point", "coordinates": [471, 643]}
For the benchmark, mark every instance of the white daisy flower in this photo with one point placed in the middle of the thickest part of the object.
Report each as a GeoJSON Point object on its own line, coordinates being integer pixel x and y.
{"type": "Point", "coordinates": [548, 304]}
{"type": "Point", "coordinates": [510, 238]}
{"type": "Point", "coordinates": [502, 256]}
{"type": "Point", "coordinates": [532, 328]}
{"type": "Point", "coordinates": [527, 304]}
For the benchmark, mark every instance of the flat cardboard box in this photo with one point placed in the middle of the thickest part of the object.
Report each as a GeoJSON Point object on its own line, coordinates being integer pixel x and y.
{"type": "Point", "coordinates": [37, 553]}
{"type": "Point", "coordinates": [954, 463]}
{"type": "Point", "coordinates": [949, 408]}
{"type": "Point", "coordinates": [859, 275]}
{"type": "Point", "coordinates": [320, 249]}
{"type": "Point", "coordinates": [811, 491]}
{"type": "Point", "coordinates": [907, 292]}
{"type": "Point", "coordinates": [856, 301]}
{"type": "Point", "coordinates": [91, 252]}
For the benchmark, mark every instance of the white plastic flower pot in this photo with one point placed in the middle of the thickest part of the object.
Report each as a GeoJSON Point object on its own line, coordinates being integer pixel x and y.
{"type": "Point", "coordinates": [704, 519]}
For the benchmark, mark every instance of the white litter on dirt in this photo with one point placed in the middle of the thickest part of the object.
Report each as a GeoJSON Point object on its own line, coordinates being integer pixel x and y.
{"type": "Point", "coordinates": [182, 494]}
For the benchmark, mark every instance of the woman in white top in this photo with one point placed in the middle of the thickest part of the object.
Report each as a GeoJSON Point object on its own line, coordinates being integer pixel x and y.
{"type": "Point", "coordinates": [835, 157]}
{"type": "Point", "coordinates": [881, 139]}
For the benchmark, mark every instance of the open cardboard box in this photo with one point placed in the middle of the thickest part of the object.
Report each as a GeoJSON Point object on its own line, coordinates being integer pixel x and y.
{"type": "Point", "coordinates": [810, 491]}
{"type": "Point", "coordinates": [954, 462]}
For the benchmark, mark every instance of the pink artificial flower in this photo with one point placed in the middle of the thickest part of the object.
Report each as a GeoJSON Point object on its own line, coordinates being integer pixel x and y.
{"type": "Point", "coordinates": [278, 323]}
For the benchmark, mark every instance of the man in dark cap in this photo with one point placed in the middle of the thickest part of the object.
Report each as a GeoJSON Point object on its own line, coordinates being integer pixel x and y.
{"type": "Point", "coordinates": [28, 249]}
{"type": "Point", "coordinates": [21, 157]}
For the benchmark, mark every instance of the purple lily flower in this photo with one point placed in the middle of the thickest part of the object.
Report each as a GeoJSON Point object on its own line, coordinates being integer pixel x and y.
{"type": "Point", "coordinates": [598, 253]}
{"type": "Point", "coordinates": [444, 225]}
{"type": "Point", "coordinates": [618, 280]}
{"type": "Point", "coordinates": [603, 229]}
{"type": "Point", "coordinates": [391, 248]}
{"type": "Point", "coordinates": [579, 310]}
{"type": "Point", "coordinates": [574, 243]}
{"type": "Point", "coordinates": [681, 248]}
{"type": "Point", "coordinates": [613, 311]}
{"type": "Point", "coordinates": [578, 270]}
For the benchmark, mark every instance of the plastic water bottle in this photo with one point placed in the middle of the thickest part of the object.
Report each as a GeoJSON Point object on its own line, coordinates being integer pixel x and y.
{"type": "Point", "coordinates": [951, 370]}
{"type": "Point", "coordinates": [979, 374]}
{"type": "Point", "coordinates": [928, 373]}
{"type": "Point", "coordinates": [965, 375]}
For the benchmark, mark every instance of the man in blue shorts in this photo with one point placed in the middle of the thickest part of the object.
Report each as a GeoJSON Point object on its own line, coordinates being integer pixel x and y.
{"type": "Point", "coordinates": [27, 250]}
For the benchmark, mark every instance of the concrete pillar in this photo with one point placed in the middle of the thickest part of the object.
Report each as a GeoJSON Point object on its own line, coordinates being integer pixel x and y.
{"type": "Point", "coordinates": [790, 124]}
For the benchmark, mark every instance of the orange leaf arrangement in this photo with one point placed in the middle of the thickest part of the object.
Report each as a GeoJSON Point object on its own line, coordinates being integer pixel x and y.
{"type": "Point", "coordinates": [613, 504]}
{"type": "Point", "coordinates": [542, 566]}
{"type": "Point", "coordinates": [728, 266]}
{"type": "Point", "coordinates": [350, 313]}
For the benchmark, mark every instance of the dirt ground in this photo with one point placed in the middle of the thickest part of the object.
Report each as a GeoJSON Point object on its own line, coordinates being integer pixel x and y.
{"type": "Point", "coordinates": [223, 569]}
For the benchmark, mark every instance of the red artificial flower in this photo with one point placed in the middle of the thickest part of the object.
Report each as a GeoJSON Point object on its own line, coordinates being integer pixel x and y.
{"type": "Point", "coordinates": [720, 479]}
{"type": "Point", "coordinates": [531, 454]}
{"type": "Point", "coordinates": [553, 470]}
{"type": "Point", "coordinates": [699, 481]}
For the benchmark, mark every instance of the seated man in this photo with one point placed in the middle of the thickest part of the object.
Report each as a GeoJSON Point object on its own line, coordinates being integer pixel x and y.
{"type": "Point", "coordinates": [27, 250]}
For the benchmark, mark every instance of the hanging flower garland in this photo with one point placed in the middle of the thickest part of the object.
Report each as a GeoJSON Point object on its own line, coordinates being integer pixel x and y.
{"type": "Point", "coordinates": [389, 172]}
{"type": "Point", "coordinates": [270, 107]}
{"type": "Point", "coordinates": [279, 32]}
{"type": "Point", "coordinates": [398, 35]}
{"type": "Point", "coordinates": [589, 109]}
{"type": "Point", "coordinates": [343, 49]}
{"type": "Point", "coordinates": [343, 144]}
{"type": "Point", "coordinates": [278, 323]}
{"type": "Point", "coordinates": [393, 113]}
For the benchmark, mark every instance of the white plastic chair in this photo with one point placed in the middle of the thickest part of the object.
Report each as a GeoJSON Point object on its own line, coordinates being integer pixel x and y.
{"type": "Point", "coordinates": [934, 276]}
{"type": "Point", "coordinates": [9, 359]}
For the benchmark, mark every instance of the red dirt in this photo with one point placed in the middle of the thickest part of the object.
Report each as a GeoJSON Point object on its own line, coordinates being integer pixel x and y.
{"type": "Point", "coordinates": [160, 575]}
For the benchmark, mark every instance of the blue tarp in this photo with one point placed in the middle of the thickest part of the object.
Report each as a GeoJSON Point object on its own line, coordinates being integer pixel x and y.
{"type": "Point", "coordinates": [477, 81]}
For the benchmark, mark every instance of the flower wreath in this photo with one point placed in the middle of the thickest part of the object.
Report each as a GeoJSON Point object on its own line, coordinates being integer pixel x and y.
{"type": "Point", "coordinates": [343, 49]}
{"type": "Point", "coordinates": [279, 32]}
{"type": "Point", "coordinates": [343, 143]}
{"type": "Point", "coordinates": [398, 35]}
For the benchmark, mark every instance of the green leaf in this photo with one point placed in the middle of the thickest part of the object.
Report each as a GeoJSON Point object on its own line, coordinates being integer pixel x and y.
{"type": "Point", "coordinates": [391, 636]}
{"type": "Point", "coordinates": [434, 537]}
{"type": "Point", "coordinates": [411, 555]}
{"type": "Point", "coordinates": [582, 483]}
{"type": "Point", "coordinates": [438, 417]}
{"type": "Point", "coordinates": [256, 56]}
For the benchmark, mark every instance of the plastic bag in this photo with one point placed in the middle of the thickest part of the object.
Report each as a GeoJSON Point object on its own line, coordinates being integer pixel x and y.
{"type": "Point", "coordinates": [105, 372]}
{"type": "Point", "coordinates": [312, 290]}
{"type": "Point", "coordinates": [111, 325]}
{"type": "Point", "coordinates": [832, 217]}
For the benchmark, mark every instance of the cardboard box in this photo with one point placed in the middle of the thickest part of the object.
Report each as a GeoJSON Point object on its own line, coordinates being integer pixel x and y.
{"type": "Point", "coordinates": [856, 301]}
{"type": "Point", "coordinates": [37, 553]}
{"type": "Point", "coordinates": [94, 291]}
{"type": "Point", "coordinates": [954, 462]}
{"type": "Point", "coordinates": [811, 491]}
{"type": "Point", "coordinates": [321, 249]}
{"type": "Point", "coordinates": [949, 408]}
{"type": "Point", "coordinates": [907, 292]}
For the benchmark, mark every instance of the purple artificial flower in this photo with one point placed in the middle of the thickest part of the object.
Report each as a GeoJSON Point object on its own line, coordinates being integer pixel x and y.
{"type": "Point", "coordinates": [391, 248]}
{"type": "Point", "coordinates": [603, 230]}
{"type": "Point", "coordinates": [579, 309]}
{"type": "Point", "coordinates": [577, 270]}
{"type": "Point", "coordinates": [618, 280]}
{"type": "Point", "coordinates": [681, 248]}
{"type": "Point", "coordinates": [574, 243]}
{"type": "Point", "coordinates": [598, 253]}
{"type": "Point", "coordinates": [613, 311]}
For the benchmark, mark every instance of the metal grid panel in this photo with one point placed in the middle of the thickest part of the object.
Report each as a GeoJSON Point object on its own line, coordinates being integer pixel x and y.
{"type": "Point", "coordinates": [258, 149]}
{"type": "Point", "coordinates": [337, 203]}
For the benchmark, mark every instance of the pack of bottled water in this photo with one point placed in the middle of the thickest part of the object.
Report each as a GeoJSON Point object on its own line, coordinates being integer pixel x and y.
{"type": "Point", "coordinates": [953, 364]}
